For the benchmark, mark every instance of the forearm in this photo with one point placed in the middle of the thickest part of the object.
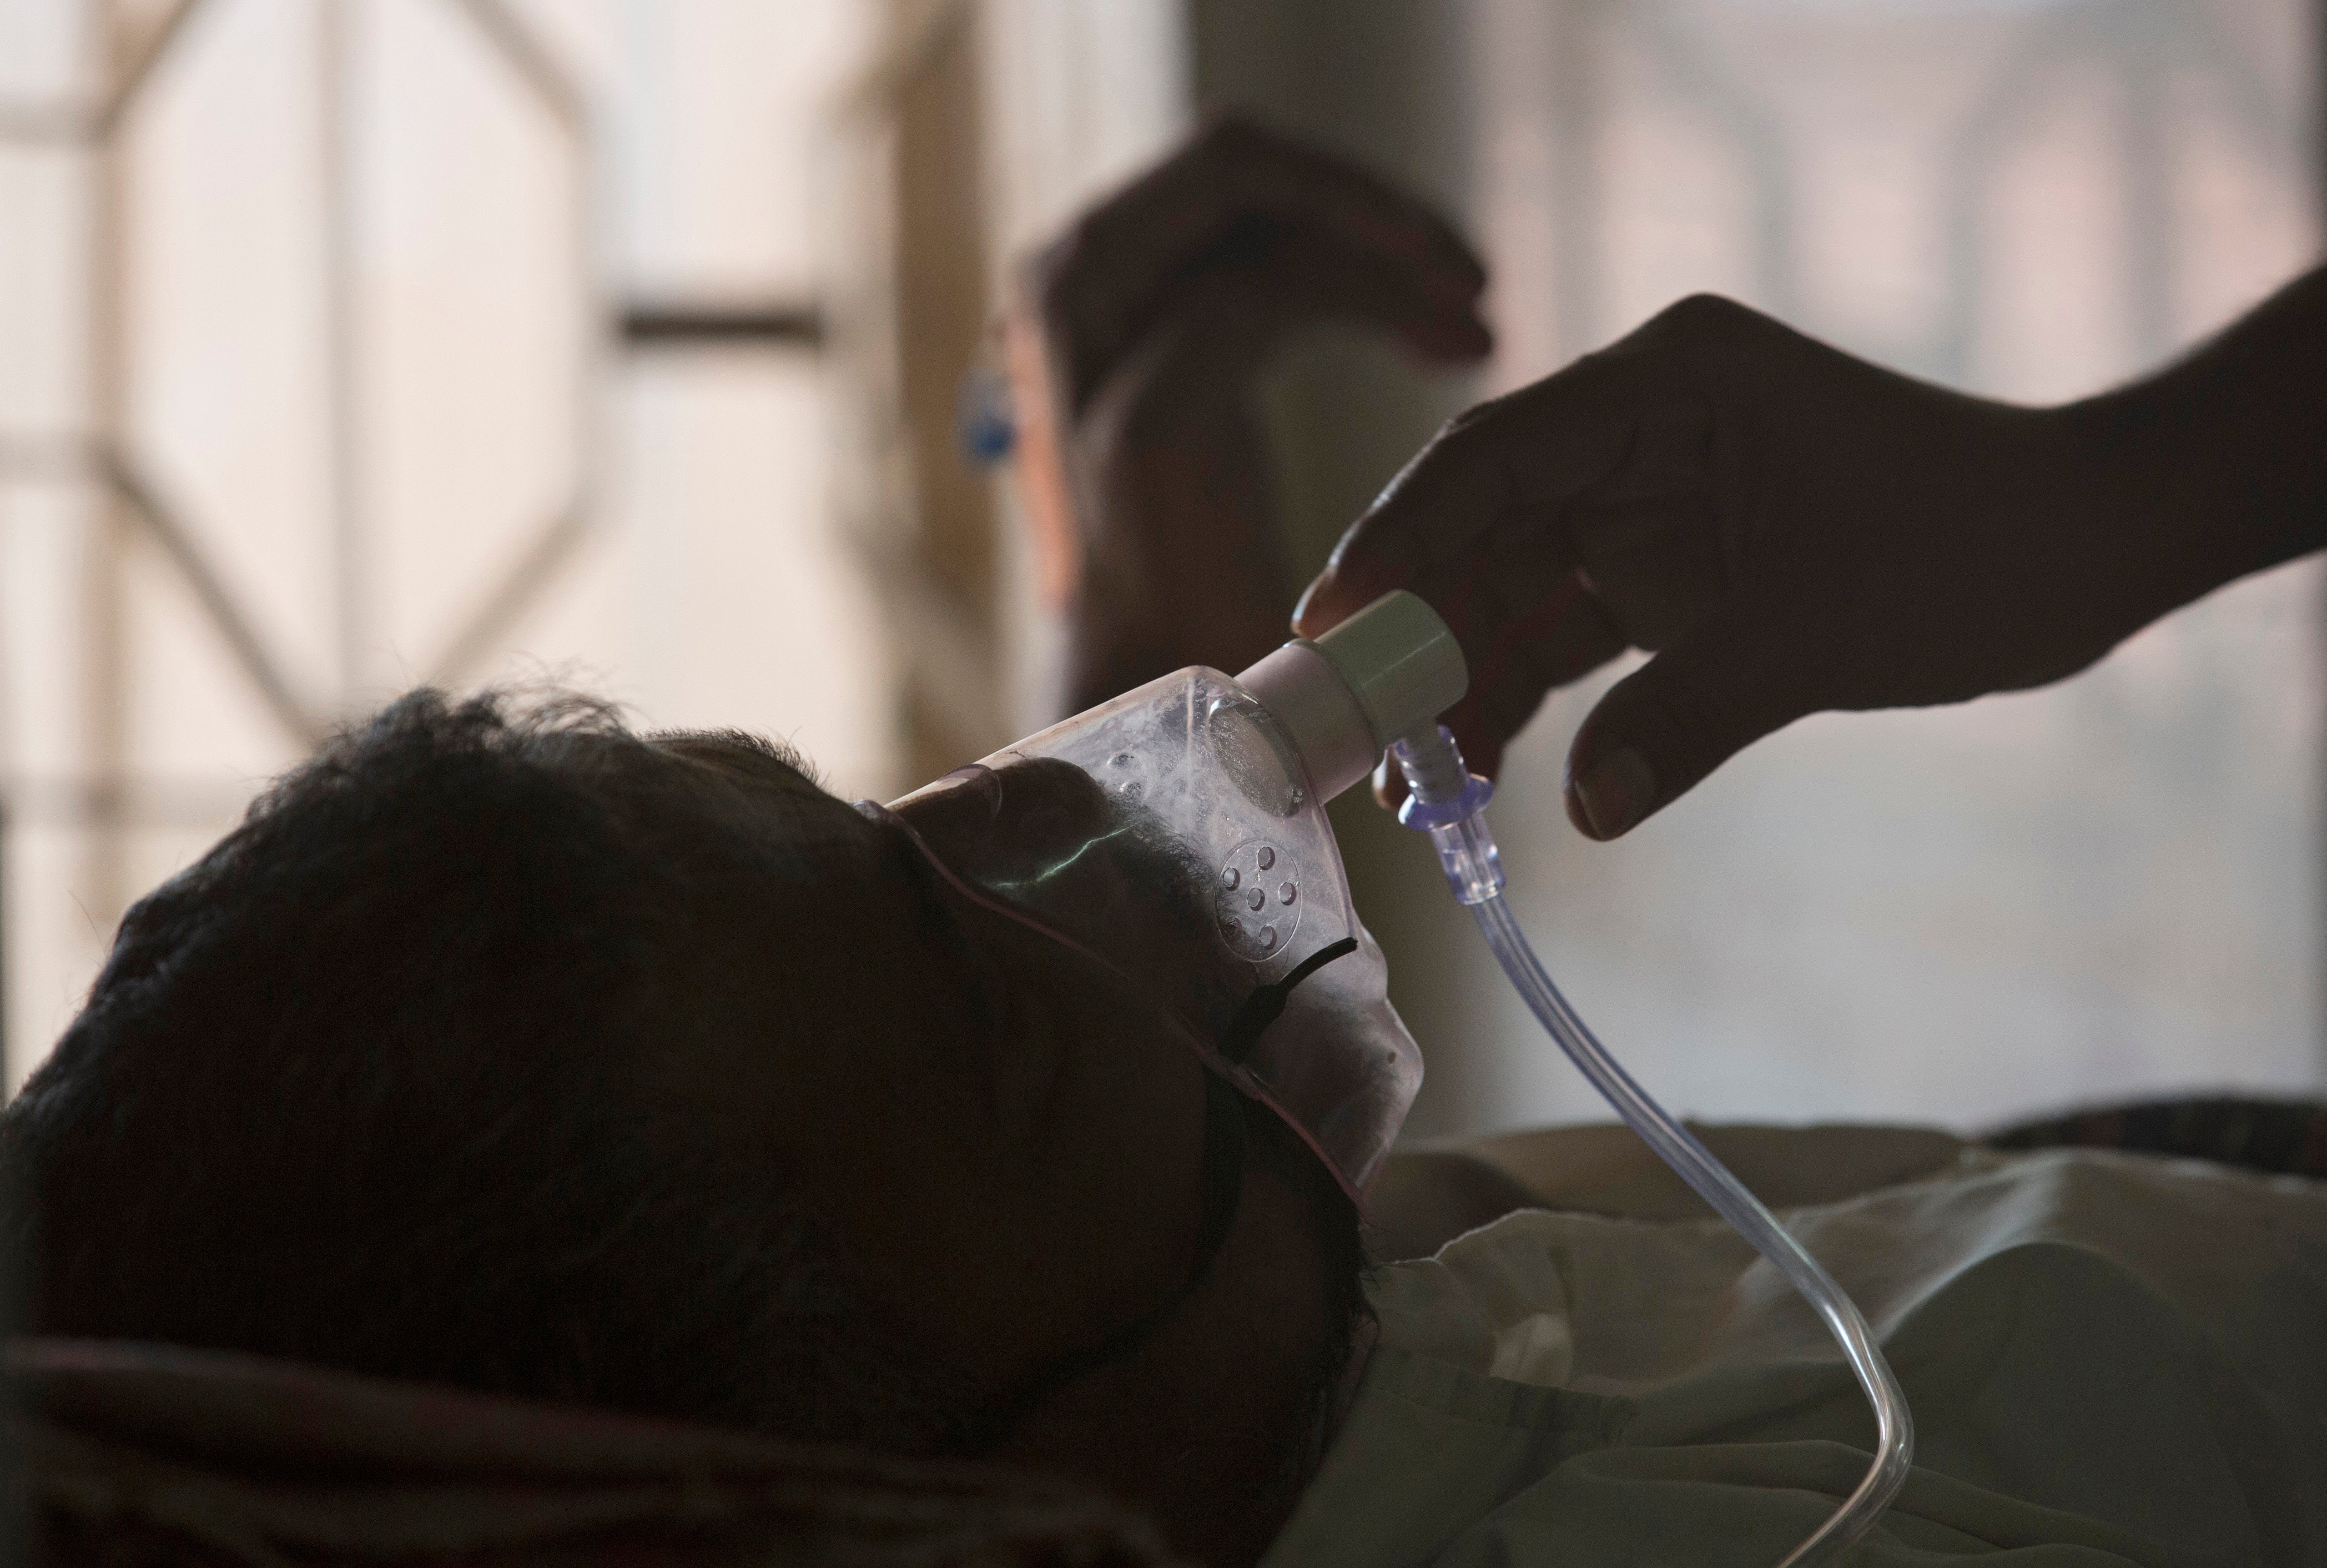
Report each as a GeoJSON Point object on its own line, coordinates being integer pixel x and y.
{"type": "Point", "coordinates": [2221, 460]}
{"type": "Point", "coordinates": [1180, 560]}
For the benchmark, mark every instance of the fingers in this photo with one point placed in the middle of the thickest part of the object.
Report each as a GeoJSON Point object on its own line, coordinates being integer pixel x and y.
{"type": "Point", "coordinates": [1502, 468]}
{"type": "Point", "coordinates": [1645, 404]}
{"type": "Point", "coordinates": [1523, 639]}
{"type": "Point", "coordinates": [1529, 624]}
{"type": "Point", "coordinates": [1225, 200]}
{"type": "Point", "coordinates": [1568, 635]}
{"type": "Point", "coordinates": [1565, 637]}
{"type": "Point", "coordinates": [1552, 528]}
{"type": "Point", "coordinates": [1605, 506]}
{"type": "Point", "coordinates": [1736, 677]}
{"type": "Point", "coordinates": [1550, 538]}
{"type": "Point", "coordinates": [1649, 537]}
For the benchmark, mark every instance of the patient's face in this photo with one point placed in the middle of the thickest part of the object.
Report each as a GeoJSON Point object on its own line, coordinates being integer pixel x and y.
{"type": "Point", "coordinates": [1010, 1139]}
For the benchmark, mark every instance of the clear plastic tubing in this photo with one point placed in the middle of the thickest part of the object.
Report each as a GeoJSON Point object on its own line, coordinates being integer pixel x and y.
{"type": "Point", "coordinates": [1448, 802]}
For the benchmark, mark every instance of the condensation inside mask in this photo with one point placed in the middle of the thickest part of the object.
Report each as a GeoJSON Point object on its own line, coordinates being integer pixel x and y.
{"type": "Point", "coordinates": [1173, 833]}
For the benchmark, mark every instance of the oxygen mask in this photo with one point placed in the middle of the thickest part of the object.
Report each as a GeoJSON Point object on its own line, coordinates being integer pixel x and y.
{"type": "Point", "coordinates": [1177, 834]}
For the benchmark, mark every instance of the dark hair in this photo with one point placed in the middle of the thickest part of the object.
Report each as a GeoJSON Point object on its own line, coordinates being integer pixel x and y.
{"type": "Point", "coordinates": [394, 1080]}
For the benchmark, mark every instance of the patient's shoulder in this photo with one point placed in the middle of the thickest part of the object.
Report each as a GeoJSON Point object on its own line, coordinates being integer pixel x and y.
{"type": "Point", "coordinates": [1428, 1194]}
{"type": "Point", "coordinates": [1421, 1199]}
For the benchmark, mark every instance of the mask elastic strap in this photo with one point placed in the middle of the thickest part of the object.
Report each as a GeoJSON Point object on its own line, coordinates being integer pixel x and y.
{"type": "Point", "coordinates": [1266, 1005]}
{"type": "Point", "coordinates": [1223, 1172]}
{"type": "Point", "coordinates": [888, 819]}
{"type": "Point", "coordinates": [1223, 1175]}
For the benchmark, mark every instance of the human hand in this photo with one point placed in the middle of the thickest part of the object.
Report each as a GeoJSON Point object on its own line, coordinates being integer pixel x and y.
{"type": "Point", "coordinates": [1788, 529]}
{"type": "Point", "coordinates": [1133, 351]}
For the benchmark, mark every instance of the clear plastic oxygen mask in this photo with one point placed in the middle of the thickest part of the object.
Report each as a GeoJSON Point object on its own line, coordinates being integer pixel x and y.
{"type": "Point", "coordinates": [1178, 835]}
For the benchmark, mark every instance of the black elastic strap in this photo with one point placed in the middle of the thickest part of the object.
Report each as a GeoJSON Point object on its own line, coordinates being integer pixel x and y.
{"type": "Point", "coordinates": [1223, 1169]}
{"type": "Point", "coordinates": [1223, 1174]}
{"type": "Point", "coordinates": [1266, 1005]}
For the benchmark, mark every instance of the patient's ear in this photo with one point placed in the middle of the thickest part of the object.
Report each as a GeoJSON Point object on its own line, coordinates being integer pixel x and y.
{"type": "Point", "coordinates": [1418, 1203]}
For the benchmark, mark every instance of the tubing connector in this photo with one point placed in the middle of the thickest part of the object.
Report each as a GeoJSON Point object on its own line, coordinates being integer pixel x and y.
{"type": "Point", "coordinates": [1449, 802]}
{"type": "Point", "coordinates": [1391, 668]}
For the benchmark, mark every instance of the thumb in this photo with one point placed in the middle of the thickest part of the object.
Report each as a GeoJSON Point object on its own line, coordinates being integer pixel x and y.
{"type": "Point", "coordinates": [1677, 718]}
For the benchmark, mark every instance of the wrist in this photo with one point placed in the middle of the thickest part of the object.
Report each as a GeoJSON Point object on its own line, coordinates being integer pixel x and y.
{"type": "Point", "coordinates": [2162, 475]}
{"type": "Point", "coordinates": [2224, 454]}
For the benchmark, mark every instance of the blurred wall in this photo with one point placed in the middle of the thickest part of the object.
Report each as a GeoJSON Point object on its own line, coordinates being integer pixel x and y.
{"type": "Point", "coordinates": [345, 288]}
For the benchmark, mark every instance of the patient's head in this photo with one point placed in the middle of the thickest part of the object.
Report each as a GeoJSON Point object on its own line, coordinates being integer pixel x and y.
{"type": "Point", "coordinates": [503, 1048]}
